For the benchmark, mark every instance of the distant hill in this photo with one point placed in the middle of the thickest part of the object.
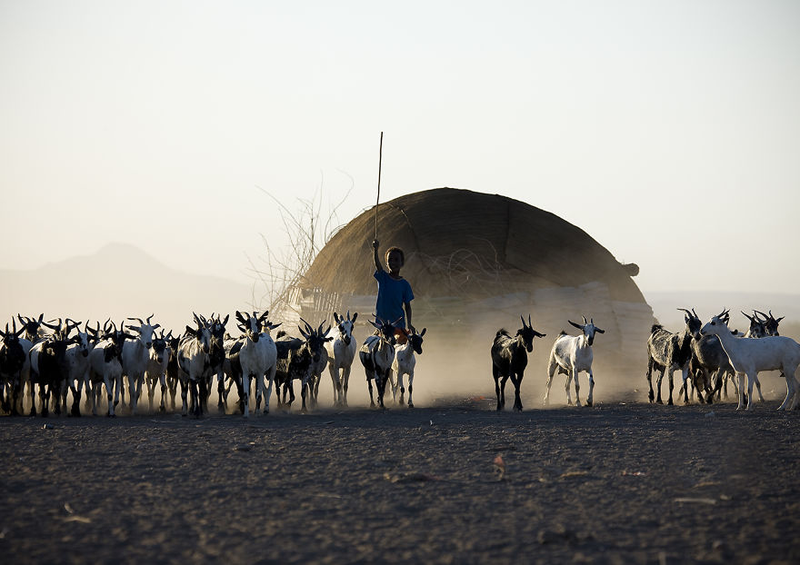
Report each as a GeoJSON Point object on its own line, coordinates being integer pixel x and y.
{"type": "Point", "coordinates": [706, 304]}
{"type": "Point", "coordinates": [119, 280]}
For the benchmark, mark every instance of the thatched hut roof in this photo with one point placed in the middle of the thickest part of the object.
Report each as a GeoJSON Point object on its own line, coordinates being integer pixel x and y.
{"type": "Point", "coordinates": [464, 243]}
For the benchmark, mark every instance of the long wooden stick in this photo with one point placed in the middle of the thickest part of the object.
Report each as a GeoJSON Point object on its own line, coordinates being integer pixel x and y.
{"type": "Point", "coordinates": [377, 202]}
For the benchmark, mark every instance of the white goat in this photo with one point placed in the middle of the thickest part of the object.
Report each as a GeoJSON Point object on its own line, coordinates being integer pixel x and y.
{"type": "Point", "coordinates": [341, 354]}
{"type": "Point", "coordinates": [136, 356]}
{"type": "Point", "coordinates": [404, 362]}
{"type": "Point", "coordinates": [750, 356]}
{"type": "Point", "coordinates": [571, 355]}
{"type": "Point", "coordinates": [258, 357]}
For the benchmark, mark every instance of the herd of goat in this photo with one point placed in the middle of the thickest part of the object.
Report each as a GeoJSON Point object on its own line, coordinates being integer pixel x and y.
{"type": "Point", "coordinates": [98, 362]}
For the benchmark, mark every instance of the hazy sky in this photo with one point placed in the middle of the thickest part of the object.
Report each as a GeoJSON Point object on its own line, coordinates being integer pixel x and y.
{"type": "Point", "coordinates": [667, 130]}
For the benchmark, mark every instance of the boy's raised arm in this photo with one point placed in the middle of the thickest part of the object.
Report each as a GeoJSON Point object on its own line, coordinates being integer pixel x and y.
{"type": "Point", "coordinates": [375, 245]}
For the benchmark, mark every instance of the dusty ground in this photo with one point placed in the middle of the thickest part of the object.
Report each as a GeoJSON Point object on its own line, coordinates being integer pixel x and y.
{"type": "Point", "coordinates": [453, 483]}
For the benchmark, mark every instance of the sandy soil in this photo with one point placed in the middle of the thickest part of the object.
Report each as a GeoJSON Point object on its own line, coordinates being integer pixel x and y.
{"type": "Point", "coordinates": [452, 483]}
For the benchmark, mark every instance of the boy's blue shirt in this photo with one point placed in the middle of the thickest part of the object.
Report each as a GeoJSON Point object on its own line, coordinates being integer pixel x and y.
{"type": "Point", "coordinates": [392, 294]}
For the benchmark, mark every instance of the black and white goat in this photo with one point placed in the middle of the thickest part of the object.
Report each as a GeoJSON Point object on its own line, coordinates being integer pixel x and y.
{"type": "Point", "coordinates": [319, 362]}
{"type": "Point", "coordinates": [405, 360]}
{"type": "Point", "coordinates": [377, 356]}
{"type": "Point", "coordinates": [194, 365]}
{"type": "Point", "coordinates": [748, 357]}
{"type": "Point", "coordinates": [341, 354]}
{"type": "Point", "coordinates": [571, 355]}
{"type": "Point", "coordinates": [105, 367]}
{"type": "Point", "coordinates": [35, 331]}
{"type": "Point", "coordinates": [156, 371]}
{"type": "Point", "coordinates": [509, 359]}
{"type": "Point", "coordinates": [709, 367]}
{"type": "Point", "coordinates": [77, 360]}
{"type": "Point", "coordinates": [304, 363]}
{"type": "Point", "coordinates": [668, 352]}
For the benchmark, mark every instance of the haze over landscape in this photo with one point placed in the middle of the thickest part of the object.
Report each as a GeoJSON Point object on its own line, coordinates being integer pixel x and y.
{"type": "Point", "coordinates": [668, 131]}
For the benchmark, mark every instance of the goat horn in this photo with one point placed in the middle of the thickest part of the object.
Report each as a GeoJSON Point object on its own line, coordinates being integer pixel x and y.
{"type": "Point", "coordinates": [150, 317]}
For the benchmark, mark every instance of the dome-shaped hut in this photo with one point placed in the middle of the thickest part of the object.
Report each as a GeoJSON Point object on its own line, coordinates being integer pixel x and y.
{"type": "Point", "coordinates": [476, 262]}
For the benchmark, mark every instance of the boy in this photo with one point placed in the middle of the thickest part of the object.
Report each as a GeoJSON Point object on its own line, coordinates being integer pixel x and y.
{"type": "Point", "coordinates": [394, 292]}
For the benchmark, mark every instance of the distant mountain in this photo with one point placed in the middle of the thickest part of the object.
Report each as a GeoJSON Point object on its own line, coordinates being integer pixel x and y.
{"type": "Point", "coordinates": [706, 304]}
{"type": "Point", "coordinates": [118, 281]}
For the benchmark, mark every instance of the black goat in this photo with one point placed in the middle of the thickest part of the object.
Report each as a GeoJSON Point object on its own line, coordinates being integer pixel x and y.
{"type": "Point", "coordinates": [287, 347]}
{"type": "Point", "coordinates": [216, 355]}
{"type": "Point", "coordinates": [34, 327]}
{"type": "Point", "coordinates": [770, 323]}
{"type": "Point", "coordinates": [173, 376]}
{"type": "Point", "coordinates": [49, 368]}
{"type": "Point", "coordinates": [12, 359]}
{"type": "Point", "coordinates": [668, 352]}
{"type": "Point", "coordinates": [509, 359]}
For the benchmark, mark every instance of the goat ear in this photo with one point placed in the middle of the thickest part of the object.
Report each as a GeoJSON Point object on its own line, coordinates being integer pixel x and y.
{"type": "Point", "coordinates": [537, 334]}
{"type": "Point", "coordinates": [355, 315]}
{"type": "Point", "coordinates": [190, 331]}
{"type": "Point", "coordinates": [598, 330]}
{"type": "Point", "coordinates": [336, 317]}
{"type": "Point", "coordinates": [580, 327]}
{"type": "Point", "coordinates": [423, 332]}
